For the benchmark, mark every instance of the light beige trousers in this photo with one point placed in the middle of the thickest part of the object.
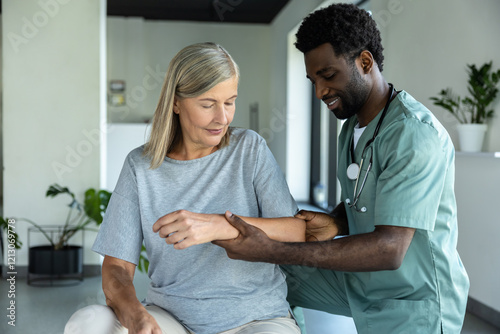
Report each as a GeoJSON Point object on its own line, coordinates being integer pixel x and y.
{"type": "Point", "coordinates": [100, 319]}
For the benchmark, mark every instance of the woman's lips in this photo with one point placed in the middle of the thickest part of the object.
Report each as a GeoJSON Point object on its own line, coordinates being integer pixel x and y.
{"type": "Point", "coordinates": [215, 131]}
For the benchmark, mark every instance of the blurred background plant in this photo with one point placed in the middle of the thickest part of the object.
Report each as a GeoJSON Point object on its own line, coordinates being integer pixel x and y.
{"type": "Point", "coordinates": [80, 215]}
{"type": "Point", "coordinates": [482, 87]}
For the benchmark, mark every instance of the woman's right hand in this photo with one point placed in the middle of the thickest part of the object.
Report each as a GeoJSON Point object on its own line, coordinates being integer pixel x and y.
{"type": "Point", "coordinates": [143, 323]}
{"type": "Point", "coordinates": [184, 228]}
{"type": "Point", "coordinates": [118, 287]}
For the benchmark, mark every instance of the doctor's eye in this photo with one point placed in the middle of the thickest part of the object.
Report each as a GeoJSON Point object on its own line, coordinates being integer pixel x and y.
{"type": "Point", "coordinates": [331, 76]}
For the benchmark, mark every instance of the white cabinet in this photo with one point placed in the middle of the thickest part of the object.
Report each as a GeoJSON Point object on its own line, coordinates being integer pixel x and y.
{"type": "Point", "coordinates": [477, 188]}
{"type": "Point", "coordinates": [121, 139]}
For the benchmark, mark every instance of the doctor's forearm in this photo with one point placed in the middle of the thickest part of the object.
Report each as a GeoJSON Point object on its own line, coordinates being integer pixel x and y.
{"type": "Point", "coordinates": [383, 249]}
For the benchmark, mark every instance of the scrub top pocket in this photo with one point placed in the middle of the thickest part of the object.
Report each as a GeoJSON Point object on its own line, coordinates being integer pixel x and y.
{"type": "Point", "coordinates": [403, 317]}
{"type": "Point", "coordinates": [363, 221]}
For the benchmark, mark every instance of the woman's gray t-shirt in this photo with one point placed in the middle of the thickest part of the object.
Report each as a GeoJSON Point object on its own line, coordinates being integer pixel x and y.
{"type": "Point", "coordinates": [200, 285]}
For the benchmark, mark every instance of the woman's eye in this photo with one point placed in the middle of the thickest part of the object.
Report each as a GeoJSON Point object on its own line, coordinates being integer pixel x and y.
{"type": "Point", "coordinates": [207, 107]}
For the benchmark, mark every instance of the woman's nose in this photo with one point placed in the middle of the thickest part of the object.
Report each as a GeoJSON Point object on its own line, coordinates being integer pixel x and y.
{"type": "Point", "coordinates": [221, 115]}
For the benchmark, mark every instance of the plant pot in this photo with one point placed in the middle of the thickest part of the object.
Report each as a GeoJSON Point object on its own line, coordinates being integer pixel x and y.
{"type": "Point", "coordinates": [471, 137]}
{"type": "Point", "coordinates": [45, 260]}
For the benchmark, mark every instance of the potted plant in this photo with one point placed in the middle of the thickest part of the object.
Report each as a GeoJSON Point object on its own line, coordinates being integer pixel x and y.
{"type": "Point", "coordinates": [472, 112]}
{"type": "Point", "coordinates": [60, 257]}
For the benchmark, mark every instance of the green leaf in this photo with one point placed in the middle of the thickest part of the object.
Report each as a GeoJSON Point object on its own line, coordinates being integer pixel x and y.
{"type": "Point", "coordinates": [96, 203]}
{"type": "Point", "coordinates": [56, 189]}
{"type": "Point", "coordinates": [9, 231]}
{"type": "Point", "coordinates": [483, 90]}
{"type": "Point", "coordinates": [143, 265]}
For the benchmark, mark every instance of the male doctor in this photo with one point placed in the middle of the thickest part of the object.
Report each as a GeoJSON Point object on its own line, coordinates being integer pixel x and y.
{"type": "Point", "coordinates": [397, 270]}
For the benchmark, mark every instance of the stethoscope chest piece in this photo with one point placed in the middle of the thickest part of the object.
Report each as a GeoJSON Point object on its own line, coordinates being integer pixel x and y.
{"type": "Point", "coordinates": [353, 171]}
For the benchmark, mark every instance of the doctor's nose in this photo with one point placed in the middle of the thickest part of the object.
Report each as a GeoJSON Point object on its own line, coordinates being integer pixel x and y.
{"type": "Point", "coordinates": [321, 91]}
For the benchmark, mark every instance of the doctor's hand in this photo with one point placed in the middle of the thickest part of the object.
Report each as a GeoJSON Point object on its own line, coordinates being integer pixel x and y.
{"type": "Point", "coordinates": [319, 226]}
{"type": "Point", "coordinates": [252, 244]}
{"type": "Point", "coordinates": [183, 228]}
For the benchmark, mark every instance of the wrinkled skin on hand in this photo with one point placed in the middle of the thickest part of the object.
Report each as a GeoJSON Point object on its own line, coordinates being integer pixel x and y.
{"type": "Point", "coordinates": [183, 228]}
{"type": "Point", "coordinates": [144, 324]}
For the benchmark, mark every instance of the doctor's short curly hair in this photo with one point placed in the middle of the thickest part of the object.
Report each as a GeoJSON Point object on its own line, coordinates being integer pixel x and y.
{"type": "Point", "coordinates": [348, 28]}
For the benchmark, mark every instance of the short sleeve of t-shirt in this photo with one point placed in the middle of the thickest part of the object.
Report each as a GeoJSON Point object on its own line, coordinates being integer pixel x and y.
{"type": "Point", "coordinates": [120, 234]}
{"type": "Point", "coordinates": [211, 184]}
{"type": "Point", "coordinates": [270, 186]}
{"type": "Point", "coordinates": [413, 170]}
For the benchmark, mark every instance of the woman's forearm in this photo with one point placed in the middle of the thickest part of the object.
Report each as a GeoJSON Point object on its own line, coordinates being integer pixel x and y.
{"type": "Point", "coordinates": [286, 229]}
{"type": "Point", "coordinates": [117, 284]}
{"type": "Point", "coordinates": [184, 229]}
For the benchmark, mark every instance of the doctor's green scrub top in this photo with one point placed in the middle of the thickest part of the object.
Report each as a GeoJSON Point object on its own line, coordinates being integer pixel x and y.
{"type": "Point", "coordinates": [410, 184]}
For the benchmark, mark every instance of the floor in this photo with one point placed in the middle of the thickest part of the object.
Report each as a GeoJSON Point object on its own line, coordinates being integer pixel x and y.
{"type": "Point", "coordinates": [45, 310]}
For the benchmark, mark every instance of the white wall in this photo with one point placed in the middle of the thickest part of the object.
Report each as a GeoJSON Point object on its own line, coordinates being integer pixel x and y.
{"type": "Point", "coordinates": [293, 13]}
{"type": "Point", "coordinates": [296, 123]}
{"type": "Point", "coordinates": [1, 121]}
{"type": "Point", "coordinates": [478, 191]}
{"type": "Point", "coordinates": [51, 84]}
{"type": "Point", "coordinates": [139, 52]}
{"type": "Point", "coordinates": [139, 49]}
{"type": "Point", "coordinates": [427, 46]}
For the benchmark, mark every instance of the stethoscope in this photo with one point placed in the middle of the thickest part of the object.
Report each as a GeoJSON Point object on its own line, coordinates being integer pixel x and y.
{"type": "Point", "coordinates": [354, 170]}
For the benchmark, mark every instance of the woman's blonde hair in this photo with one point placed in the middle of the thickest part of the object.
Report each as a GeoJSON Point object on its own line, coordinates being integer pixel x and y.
{"type": "Point", "coordinates": [193, 71]}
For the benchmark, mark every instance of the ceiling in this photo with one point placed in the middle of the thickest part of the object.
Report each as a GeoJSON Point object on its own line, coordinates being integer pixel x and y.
{"type": "Point", "coordinates": [221, 11]}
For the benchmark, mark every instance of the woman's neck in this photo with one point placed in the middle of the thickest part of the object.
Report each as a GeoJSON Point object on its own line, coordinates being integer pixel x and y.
{"type": "Point", "coordinates": [187, 152]}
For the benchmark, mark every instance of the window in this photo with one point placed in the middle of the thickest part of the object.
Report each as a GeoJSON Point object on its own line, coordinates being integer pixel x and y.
{"type": "Point", "coordinates": [324, 187]}
{"type": "Point", "coordinates": [324, 132]}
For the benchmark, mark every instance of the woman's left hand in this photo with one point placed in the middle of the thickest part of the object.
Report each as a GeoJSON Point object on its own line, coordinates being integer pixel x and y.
{"type": "Point", "coordinates": [184, 228]}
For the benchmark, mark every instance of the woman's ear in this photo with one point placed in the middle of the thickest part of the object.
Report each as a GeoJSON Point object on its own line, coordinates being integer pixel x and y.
{"type": "Point", "coordinates": [367, 61]}
{"type": "Point", "coordinates": [176, 105]}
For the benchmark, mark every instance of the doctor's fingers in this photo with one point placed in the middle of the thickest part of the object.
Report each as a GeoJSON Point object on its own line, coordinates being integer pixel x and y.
{"type": "Point", "coordinates": [306, 215]}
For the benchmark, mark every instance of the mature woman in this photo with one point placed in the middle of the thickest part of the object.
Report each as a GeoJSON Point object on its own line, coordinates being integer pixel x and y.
{"type": "Point", "coordinates": [194, 161]}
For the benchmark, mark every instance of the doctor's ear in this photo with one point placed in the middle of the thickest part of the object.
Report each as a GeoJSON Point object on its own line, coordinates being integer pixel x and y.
{"type": "Point", "coordinates": [367, 61]}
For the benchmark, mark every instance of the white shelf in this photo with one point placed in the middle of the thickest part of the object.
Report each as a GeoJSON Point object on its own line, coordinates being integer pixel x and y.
{"type": "Point", "coordinates": [479, 154]}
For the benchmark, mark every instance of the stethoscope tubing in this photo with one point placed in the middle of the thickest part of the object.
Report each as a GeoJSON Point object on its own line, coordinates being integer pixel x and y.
{"type": "Point", "coordinates": [367, 145]}
{"type": "Point", "coordinates": [356, 198]}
